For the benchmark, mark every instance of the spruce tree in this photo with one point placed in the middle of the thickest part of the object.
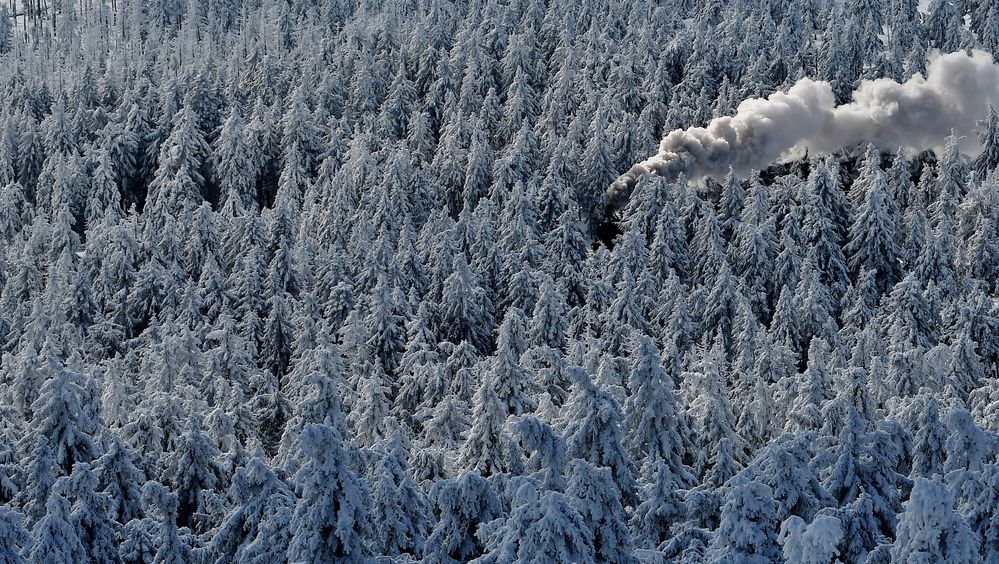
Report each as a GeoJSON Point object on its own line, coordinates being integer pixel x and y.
{"type": "Point", "coordinates": [331, 517]}
{"type": "Point", "coordinates": [56, 539]}
{"type": "Point", "coordinates": [930, 528]}
{"type": "Point", "coordinates": [873, 238]}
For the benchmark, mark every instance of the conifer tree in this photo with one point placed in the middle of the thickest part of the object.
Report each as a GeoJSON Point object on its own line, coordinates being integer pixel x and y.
{"type": "Point", "coordinates": [655, 428]}
{"type": "Point", "coordinates": [331, 517]}
{"type": "Point", "coordinates": [161, 505]}
{"type": "Point", "coordinates": [815, 542]}
{"type": "Point", "coordinates": [487, 449]}
{"type": "Point", "coordinates": [462, 505]}
{"type": "Point", "coordinates": [928, 442]}
{"type": "Point", "coordinates": [89, 515]}
{"type": "Point", "coordinates": [873, 237]}
{"type": "Point", "coordinates": [930, 528]}
{"type": "Point", "coordinates": [746, 532]}
{"type": "Point", "coordinates": [176, 186]}
{"type": "Point", "coordinates": [511, 379]}
{"type": "Point", "coordinates": [262, 506]}
{"type": "Point", "coordinates": [56, 539]}
{"type": "Point", "coordinates": [16, 538]}
{"type": "Point", "coordinates": [192, 469]}
{"type": "Point", "coordinates": [594, 433]}
{"type": "Point", "coordinates": [397, 502]}
{"type": "Point", "coordinates": [61, 417]}
{"type": "Point", "coordinates": [465, 310]}
{"type": "Point", "coordinates": [235, 173]}
{"type": "Point", "coordinates": [597, 498]}
{"type": "Point", "coordinates": [661, 508]}
{"type": "Point", "coordinates": [988, 135]}
{"type": "Point", "coordinates": [547, 527]}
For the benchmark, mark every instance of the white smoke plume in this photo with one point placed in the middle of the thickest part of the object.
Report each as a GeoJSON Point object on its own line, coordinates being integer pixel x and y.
{"type": "Point", "coordinates": [915, 115]}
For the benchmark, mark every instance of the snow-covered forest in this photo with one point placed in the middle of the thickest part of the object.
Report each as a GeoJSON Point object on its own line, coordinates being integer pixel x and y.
{"type": "Point", "coordinates": [335, 281]}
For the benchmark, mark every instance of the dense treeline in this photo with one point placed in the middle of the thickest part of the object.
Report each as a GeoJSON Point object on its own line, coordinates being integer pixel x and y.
{"type": "Point", "coordinates": [316, 281]}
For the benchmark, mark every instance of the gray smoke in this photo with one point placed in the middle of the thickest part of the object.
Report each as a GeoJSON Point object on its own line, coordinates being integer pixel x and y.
{"type": "Point", "coordinates": [915, 115]}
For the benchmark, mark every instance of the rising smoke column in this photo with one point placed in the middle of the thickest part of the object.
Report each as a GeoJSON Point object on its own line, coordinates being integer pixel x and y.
{"type": "Point", "coordinates": [915, 115]}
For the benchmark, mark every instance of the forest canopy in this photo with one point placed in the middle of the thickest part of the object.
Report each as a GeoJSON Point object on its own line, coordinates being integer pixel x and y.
{"type": "Point", "coordinates": [321, 281]}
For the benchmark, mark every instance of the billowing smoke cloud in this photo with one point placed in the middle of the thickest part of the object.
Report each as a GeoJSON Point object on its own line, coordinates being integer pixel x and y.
{"type": "Point", "coordinates": [915, 115]}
